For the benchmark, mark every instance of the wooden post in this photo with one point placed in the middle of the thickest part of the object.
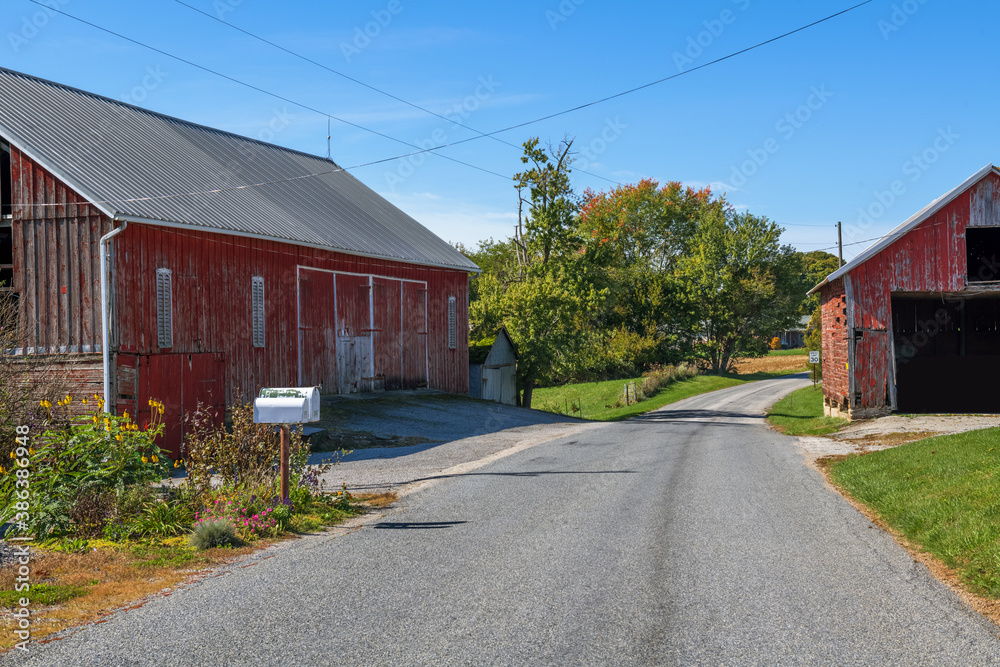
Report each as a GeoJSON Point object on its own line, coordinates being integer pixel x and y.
{"type": "Point", "coordinates": [284, 463]}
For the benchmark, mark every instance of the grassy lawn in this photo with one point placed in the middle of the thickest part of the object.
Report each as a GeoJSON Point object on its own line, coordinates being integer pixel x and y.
{"type": "Point", "coordinates": [942, 494]}
{"type": "Point", "coordinates": [595, 397]}
{"type": "Point", "coordinates": [801, 413]}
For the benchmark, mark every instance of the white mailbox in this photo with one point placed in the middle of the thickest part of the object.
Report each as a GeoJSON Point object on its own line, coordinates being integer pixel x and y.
{"type": "Point", "coordinates": [287, 405]}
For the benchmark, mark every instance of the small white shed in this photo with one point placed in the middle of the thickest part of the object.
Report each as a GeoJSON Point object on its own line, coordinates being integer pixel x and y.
{"type": "Point", "coordinates": [493, 370]}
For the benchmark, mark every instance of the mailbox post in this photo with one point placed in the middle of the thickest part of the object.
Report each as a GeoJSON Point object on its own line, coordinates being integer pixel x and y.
{"type": "Point", "coordinates": [284, 406]}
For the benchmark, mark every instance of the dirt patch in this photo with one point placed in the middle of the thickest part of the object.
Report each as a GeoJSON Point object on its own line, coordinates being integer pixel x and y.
{"type": "Point", "coordinates": [874, 434]}
{"type": "Point", "coordinates": [792, 362]}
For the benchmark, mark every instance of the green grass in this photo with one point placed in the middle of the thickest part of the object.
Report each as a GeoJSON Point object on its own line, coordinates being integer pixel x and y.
{"type": "Point", "coordinates": [794, 352]}
{"type": "Point", "coordinates": [595, 397]}
{"type": "Point", "coordinates": [801, 413]}
{"type": "Point", "coordinates": [942, 494]}
{"type": "Point", "coordinates": [40, 595]}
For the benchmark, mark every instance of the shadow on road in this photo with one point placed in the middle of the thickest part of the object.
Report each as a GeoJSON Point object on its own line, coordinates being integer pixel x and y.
{"type": "Point", "coordinates": [417, 525]}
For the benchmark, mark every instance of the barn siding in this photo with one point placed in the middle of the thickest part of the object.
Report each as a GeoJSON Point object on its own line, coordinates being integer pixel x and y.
{"type": "Point", "coordinates": [56, 261]}
{"type": "Point", "coordinates": [211, 302]}
{"type": "Point", "coordinates": [930, 258]}
{"type": "Point", "coordinates": [57, 271]}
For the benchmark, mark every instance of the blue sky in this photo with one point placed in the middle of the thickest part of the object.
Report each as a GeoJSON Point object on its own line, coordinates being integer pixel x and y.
{"type": "Point", "coordinates": [865, 118]}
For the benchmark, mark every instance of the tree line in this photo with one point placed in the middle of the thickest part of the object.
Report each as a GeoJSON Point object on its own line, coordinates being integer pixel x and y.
{"type": "Point", "coordinates": [604, 284]}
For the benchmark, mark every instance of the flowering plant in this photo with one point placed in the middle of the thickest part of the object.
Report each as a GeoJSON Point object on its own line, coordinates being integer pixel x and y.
{"type": "Point", "coordinates": [249, 522]}
{"type": "Point", "coordinates": [91, 452]}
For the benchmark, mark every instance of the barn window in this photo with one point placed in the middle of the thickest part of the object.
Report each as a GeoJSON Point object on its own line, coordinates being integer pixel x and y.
{"type": "Point", "coordinates": [257, 310]}
{"type": "Point", "coordinates": [982, 249]}
{"type": "Point", "coordinates": [164, 310]}
{"type": "Point", "coordinates": [452, 324]}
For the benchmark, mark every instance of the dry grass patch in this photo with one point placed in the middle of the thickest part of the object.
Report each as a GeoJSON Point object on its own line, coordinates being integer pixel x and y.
{"type": "Point", "coordinates": [772, 364]}
{"type": "Point", "coordinates": [95, 583]}
{"type": "Point", "coordinates": [376, 500]}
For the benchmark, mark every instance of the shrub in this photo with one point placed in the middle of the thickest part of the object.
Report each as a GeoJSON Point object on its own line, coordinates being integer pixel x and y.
{"type": "Point", "coordinates": [91, 511]}
{"type": "Point", "coordinates": [246, 454]}
{"type": "Point", "coordinates": [164, 519]}
{"type": "Point", "coordinates": [214, 533]}
{"type": "Point", "coordinates": [251, 520]}
{"type": "Point", "coordinates": [91, 453]}
{"type": "Point", "coordinates": [775, 343]}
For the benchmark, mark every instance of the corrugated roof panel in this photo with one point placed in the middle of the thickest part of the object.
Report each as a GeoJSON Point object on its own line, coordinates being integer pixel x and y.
{"type": "Point", "coordinates": [113, 152]}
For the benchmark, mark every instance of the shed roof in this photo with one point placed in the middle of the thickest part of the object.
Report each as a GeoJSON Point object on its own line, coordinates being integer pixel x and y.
{"type": "Point", "coordinates": [142, 166]}
{"type": "Point", "coordinates": [907, 225]}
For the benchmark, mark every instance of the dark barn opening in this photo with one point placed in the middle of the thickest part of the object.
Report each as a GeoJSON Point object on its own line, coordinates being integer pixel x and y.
{"type": "Point", "coordinates": [947, 353]}
{"type": "Point", "coordinates": [982, 253]}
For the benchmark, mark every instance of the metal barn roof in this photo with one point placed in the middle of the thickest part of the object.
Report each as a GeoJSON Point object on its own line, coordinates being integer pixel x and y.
{"type": "Point", "coordinates": [141, 166]}
{"type": "Point", "coordinates": [904, 227]}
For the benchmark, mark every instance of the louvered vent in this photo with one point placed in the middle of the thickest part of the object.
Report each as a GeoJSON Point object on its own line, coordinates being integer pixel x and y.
{"type": "Point", "coordinates": [452, 324]}
{"type": "Point", "coordinates": [164, 310]}
{"type": "Point", "coordinates": [257, 309]}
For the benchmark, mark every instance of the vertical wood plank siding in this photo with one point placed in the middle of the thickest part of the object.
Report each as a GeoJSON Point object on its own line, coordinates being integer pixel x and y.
{"type": "Point", "coordinates": [57, 272]}
{"type": "Point", "coordinates": [931, 258]}
{"type": "Point", "coordinates": [56, 261]}
{"type": "Point", "coordinates": [212, 302]}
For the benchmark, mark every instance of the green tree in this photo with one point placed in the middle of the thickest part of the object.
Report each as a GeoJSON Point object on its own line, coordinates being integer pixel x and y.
{"type": "Point", "coordinates": [535, 284]}
{"type": "Point", "coordinates": [635, 235]}
{"type": "Point", "coordinates": [740, 286]}
{"type": "Point", "coordinates": [816, 266]}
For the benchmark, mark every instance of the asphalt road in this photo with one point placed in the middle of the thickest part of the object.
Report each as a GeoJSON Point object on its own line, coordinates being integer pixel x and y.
{"type": "Point", "coordinates": [692, 536]}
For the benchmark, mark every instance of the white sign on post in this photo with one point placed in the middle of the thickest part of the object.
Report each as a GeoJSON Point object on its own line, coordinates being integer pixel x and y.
{"type": "Point", "coordinates": [814, 357]}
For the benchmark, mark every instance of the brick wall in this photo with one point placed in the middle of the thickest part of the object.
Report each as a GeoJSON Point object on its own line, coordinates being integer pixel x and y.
{"type": "Point", "coordinates": [836, 386]}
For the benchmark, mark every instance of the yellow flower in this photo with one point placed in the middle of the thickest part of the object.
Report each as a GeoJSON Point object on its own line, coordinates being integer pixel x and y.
{"type": "Point", "coordinates": [68, 399]}
{"type": "Point", "coordinates": [155, 460]}
{"type": "Point", "coordinates": [31, 451]}
{"type": "Point", "coordinates": [177, 463]}
{"type": "Point", "coordinates": [125, 415]}
{"type": "Point", "coordinates": [12, 455]}
{"type": "Point", "coordinates": [145, 460]}
{"type": "Point", "coordinates": [84, 400]}
{"type": "Point", "coordinates": [119, 437]}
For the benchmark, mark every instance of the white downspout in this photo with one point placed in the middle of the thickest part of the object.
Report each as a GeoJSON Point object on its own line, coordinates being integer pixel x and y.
{"type": "Point", "coordinates": [105, 324]}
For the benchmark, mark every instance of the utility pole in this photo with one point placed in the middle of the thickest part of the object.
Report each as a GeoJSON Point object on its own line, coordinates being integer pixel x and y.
{"type": "Point", "coordinates": [840, 246]}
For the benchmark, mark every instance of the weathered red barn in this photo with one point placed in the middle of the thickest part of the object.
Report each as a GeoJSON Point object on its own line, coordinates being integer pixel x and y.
{"type": "Point", "coordinates": [913, 323]}
{"type": "Point", "coordinates": [232, 263]}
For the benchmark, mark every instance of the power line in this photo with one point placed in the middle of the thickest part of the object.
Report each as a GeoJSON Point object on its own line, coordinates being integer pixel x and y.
{"type": "Point", "coordinates": [261, 90]}
{"type": "Point", "coordinates": [366, 85]}
{"type": "Point", "coordinates": [434, 148]}
{"type": "Point", "coordinates": [494, 132]}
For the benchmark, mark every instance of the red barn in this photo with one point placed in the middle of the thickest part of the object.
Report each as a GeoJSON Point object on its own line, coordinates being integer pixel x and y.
{"type": "Point", "coordinates": [913, 323]}
{"type": "Point", "coordinates": [232, 263]}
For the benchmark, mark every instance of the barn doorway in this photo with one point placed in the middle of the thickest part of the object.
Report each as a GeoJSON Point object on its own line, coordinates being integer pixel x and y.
{"type": "Point", "coordinates": [361, 333]}
{"type": "Point", "coordinates": [947, 353]}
